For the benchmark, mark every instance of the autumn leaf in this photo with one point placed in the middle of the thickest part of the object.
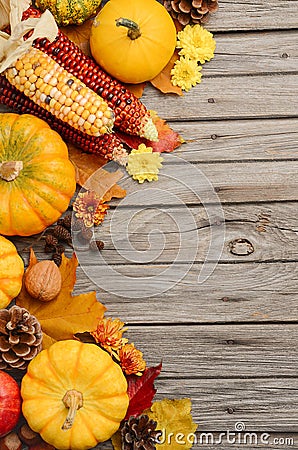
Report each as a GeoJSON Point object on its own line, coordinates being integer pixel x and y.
{"type": "Point", "coordinates": [174, 419]}
{"type": "Point", "coordinates": [66, 315]}
{"type": "Point", "coordinates": [168, 139]}
{"type": "Point", "coordinates": [117, 441]}
{"type": "Point", "coordinates": [136, 89]}
{"type": "Point", "coordinates": [103, 183]}
{"type": "Point", "coordinates": [141, 390]}
{"type": "Point", "coordinates": [162, 81]}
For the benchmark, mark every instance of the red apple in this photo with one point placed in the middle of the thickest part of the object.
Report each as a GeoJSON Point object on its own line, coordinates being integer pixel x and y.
{"type": "Point", "coordinates": [10, 403]}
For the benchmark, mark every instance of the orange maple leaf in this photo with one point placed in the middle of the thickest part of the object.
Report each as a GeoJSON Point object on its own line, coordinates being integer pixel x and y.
{"type": "Point", "coordinates": [66, 315]}
{"type": "Point", "coordinates": [103, 183]}
{"type": "Point", "coordinates": [162, 81]}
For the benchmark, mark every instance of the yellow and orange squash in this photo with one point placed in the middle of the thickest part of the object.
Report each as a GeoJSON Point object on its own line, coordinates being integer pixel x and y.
{"type": "Point", "coordinates": [11, 272]}
{"type": "Point", "coordinates": [37, 180]}
{"type": "Point", "coordinates": [133, 40]}
{"type": "Point", "coordinates": [74, 395]}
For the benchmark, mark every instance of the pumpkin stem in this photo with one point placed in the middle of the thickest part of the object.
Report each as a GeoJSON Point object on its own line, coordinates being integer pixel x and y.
{"type": "Point", "coordinates": [73, 400]}
{"type": "Point", "coordinates": [10, 170]}
{"type": "Point", "coordinates": [134, 31]}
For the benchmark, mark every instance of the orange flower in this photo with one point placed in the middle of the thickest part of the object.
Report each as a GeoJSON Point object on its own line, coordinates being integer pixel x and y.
{"type": "Point", "coordinates": [109, 334]}
{"type": "Point", "coordinates": [131, 360]}
{"type": "Point", "coordinates": [89, 207]}
{"type": "Point", "coordinates": [100, 213]}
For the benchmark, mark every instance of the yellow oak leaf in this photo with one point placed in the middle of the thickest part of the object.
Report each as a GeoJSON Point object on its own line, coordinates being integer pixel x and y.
{"type": "Point", "coordinates": [175, 422]}
{"type": "Point", "coordinates": [66, 315]}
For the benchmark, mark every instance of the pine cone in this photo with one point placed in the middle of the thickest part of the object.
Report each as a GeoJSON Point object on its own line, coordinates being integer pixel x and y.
{"type": "Point", "coordinates": [96, 245]}
{"type": "Point", "coordinates": [190, 11]}
{"type": "Point", "coordinates": [57, 258]}
{"type": "Point", "coordinates": [20, 338]}
{"type": "Point", "coordinates": [65, 222]}
{"type": "Point", "coordinates": [139, 433]}
{"type": "Point", "coordinates": [62, 233]}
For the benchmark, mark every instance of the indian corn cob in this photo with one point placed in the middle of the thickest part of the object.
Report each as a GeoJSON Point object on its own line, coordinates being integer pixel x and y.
{"type": "Point", "coordinates": [131, 116]}
{"type": "Point", "coordinates": [106, 145]}
{"type": "Point", "coordinates": [49, 85]}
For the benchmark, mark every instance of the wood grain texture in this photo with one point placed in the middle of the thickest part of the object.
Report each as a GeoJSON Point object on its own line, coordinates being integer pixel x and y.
{"type": "Point", "coordinates": [262, 292]}
{"type": "Point", "coordinates": [262, 404]}
{"type": "Point", "coordinates": [254, 53]}
{"type": "Point", "coordinates": [254, 15]}
{"type": "Point", "coordinates": [219, 351]}
{"type": "Point", "coordinates": [231, 97]}
{"type": "Point", "coordinates": [238, 140]}
{"type": "Point", "coordinates": [233, 183]}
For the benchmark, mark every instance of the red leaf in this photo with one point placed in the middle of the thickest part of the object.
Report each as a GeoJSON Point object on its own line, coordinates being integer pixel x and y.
{"type": "Point", "coordinates": [141, 390]}
{"type": "Point", "coordinates": [167, 142]}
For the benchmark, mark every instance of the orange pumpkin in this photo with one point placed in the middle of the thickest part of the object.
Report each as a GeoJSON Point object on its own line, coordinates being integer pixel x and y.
{"type": "Point", "coordinates": [133, 40]}
{"type": "Point", "coordinates": [11, 272]}
{"type": "Point", "coordinates": [37, 180]}
{"type": "Point", "coordinates": [74, 395]}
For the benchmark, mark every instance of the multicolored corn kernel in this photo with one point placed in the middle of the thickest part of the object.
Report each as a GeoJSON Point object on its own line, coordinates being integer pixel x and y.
{"type": "Point", "coordinates": [49, 85]}
{"type": "Point", "coordinates": [131, 116]}
{"type": "Point", "coordinates": [107, 145]}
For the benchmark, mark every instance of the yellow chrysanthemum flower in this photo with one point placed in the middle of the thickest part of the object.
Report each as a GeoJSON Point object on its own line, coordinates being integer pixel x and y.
{"type": "Point", "coordinates": [143, 164]}
{"type": "Point", "coordinates": [196, 43]}
{"type": "Point", "coordinates": [186, 73]}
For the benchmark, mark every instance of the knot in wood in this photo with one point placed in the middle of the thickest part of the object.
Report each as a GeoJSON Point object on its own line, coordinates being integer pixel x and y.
{"type": "Point", "coordinates": [241, 247]}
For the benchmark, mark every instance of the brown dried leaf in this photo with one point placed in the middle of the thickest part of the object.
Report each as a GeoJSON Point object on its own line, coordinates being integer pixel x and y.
{"type": "Point", "coordinates": [67, 314]}
{"type": "Point", "coordinates": [103, 182]}
{"type": "Point", "coordinates": [136, 89]}
{"type": "Point", "coordinates": [163, 82]}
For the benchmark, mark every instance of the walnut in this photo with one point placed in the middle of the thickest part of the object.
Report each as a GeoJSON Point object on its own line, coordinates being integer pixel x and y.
{"type": "Point", "coordinates": [43, 281]}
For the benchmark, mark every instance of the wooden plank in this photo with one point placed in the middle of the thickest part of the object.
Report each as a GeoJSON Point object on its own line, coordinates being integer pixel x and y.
{"type": "Point", "coordinates": [238, 140]}
{"type": "Point", "coordinates": [220, 351]}
{"type": "Point", "coordinates": [249, 292]}
{"type": "Point", "coordinates": [230, 98]}
{"type": "Point", "coordinates": [261, 404]}
{"type": "Point", "coordinates": [244, 240]}
{"type": "Point", "coordinates": [254, 15]}
{"type": "Point", "coordinates": [242, 182]}
{"type": "Point", "coordinates": [254, 53]}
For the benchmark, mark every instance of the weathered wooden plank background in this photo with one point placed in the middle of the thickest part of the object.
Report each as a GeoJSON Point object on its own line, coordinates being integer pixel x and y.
{"type": "Point", "coordinates": [229, 343]}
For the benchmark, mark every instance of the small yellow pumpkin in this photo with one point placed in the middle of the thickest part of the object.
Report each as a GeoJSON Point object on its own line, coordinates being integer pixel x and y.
{"type": "Point", "coordinates": [11, 272]}
{"type": "Point", "coordinates": [133, 40]}
{"type": "Point", "coordinates": [74, 395]}
{"type": "Point", "coordinates": [37, 180]}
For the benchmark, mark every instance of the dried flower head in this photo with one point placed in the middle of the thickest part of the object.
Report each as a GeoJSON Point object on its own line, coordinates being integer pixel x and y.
{"type": "Point", "coordinates": [131, 360]}
{"type": "Point", "coordinates": [89, 207]}
{"type": "Point", "coordinates": [186, 73]}
{"type": "Point", "coordinates": [109, 334]}
{"type": "Point", "coordinates": [100, 213]}
{"type": "Point", "coordinates": [196, 43]}
{"type": "Point", "coordinates": [144, 164]}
